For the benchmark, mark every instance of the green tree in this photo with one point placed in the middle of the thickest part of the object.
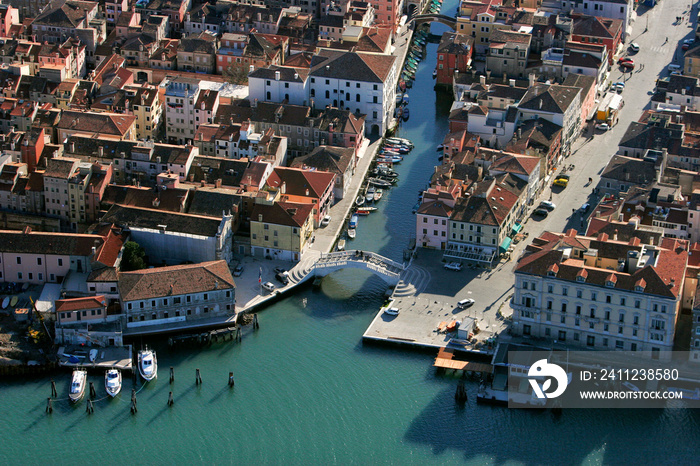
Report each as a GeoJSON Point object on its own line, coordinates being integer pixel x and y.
{"type": "Point", "coordinates": [236, 74]}
{"type": "Point", "coordinates": [133, 257]}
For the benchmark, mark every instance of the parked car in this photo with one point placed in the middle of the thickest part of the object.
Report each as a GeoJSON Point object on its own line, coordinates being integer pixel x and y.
{"type": "Point", "coordinates": [326, 220]}
{"type": "Point", "coordinates": [456, 266]}
{"type": "Point", "coordinates": [549, 205]}
{"type": "Point", "coordinates": [634, 47]}
{"type": "Point", "coordinates": [602, 126]}
{"type": "Point", "coordinates": [687, 44]}
{"type": "Point", "coordinates": [540, 213]}
{"type": "Point", "coordinates": [585, 207]}
{"type": "Point", "coordinates": [280, 270]}
{"type": "Point", "coordinates": [619, 84]}
{"type": "Point", "coordinates": [627, 65]}
{"type": "Point", "coordinates": [283, 278]}
{"type": "Point", "coordinates": [238, 271]}
{"type": "Point", "coordinates": [465, 303]}
{"type": "Point", "coordinates": [625, 60]}
{"type": "Point", "coordinates": [392, 311]}
{"type": "Point", "coordinates": [268, 286]}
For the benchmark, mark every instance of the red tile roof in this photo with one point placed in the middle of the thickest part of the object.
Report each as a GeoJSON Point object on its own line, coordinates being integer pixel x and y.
{"type": "Point", "coordinates": [79, 304]}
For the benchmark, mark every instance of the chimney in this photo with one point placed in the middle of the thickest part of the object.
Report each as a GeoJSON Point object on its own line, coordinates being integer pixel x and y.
{"type": "Point", "coordinates": [615, 235]}
{"type": "Point", "coordinates": [283, 188]}
{"type": "Point", "coordinates": [482, 80]}
{"type": "Point", "coordinates": [72, 148]}
{"type": "Point", "coordinates": [277, 75]}
{"type": "Point", "coordinates": [217, 183]}
{"type": "Point", "coordinates": [101, 151]}
{"type": "Point", "coordinates": [171, 288]}
{"type": "Point", "coordinates": [251, 69]}
{"type": "Point", "coordinates": [531, 79]}
{"type": "Point", "coordinates": [511, 82]}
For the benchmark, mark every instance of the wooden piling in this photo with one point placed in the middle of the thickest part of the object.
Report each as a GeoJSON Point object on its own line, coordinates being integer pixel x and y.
{"type": "Point", "coordinates": [231, 382]}
{"type": "Point", "coordinates": [256, 325]}
{"type": "Point", "coordinates": [197, 378]}
{"type": "Point", "coordinates": [54, 393]}
{"type": "Point", "coordinates": [89, 408]}
{"type": "Point", "coordinates": [93, 394]}
{"type": "Point", "coordinates": [49, 406]}
{"type": "Point", "coordinates": [172, 374]}
{"type": "Point", "coordinates": [461, 393]}
{"type": "Point", "coordinates": [170, 399]}
{"type": "Point", "coordinates": [134, 409]}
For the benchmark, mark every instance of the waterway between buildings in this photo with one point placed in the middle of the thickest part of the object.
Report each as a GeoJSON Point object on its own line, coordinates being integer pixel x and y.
{"type": "Point", "coordinates": [309, 392]}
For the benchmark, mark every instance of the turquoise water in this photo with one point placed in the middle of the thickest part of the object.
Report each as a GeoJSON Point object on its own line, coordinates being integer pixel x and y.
{"type": "Point", "coordinates": [309, 392]}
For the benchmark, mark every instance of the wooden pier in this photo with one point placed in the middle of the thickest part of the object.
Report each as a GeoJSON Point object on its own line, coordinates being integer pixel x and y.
{"type": "Point", "coordinates": [446, 360]}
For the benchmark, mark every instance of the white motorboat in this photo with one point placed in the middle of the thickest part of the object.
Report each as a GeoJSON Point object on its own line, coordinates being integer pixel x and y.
{"type": "Point", "coordinates": [113, 382]}
{"type": "Point", "coordinates": [341, 245]}
{"type": "Point", "coordinates": [378, 195]}
{"type": "Point", "coordinates": [148, 364]}
{"type": "Point", "coordinates": [77, 385]}
{"type": "Point", "coordinates": [360, 200]}
{"type": "Point", "coordinates": [352, 233]}
{"type": "Point", "coordinates": [369, 195]}
{"type": "Point", "coordinates": [403, 141]}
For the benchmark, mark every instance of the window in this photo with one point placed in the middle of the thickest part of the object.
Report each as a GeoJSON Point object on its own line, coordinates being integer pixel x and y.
{"type": "Point", "coordinates": [565, 291]}
{"type": "Point", "coordinates": [563, 319]}
{"type": "Point", "coordinates": [622, 317]}
{"type": "Point", "coordinates": [594, 296]}
{"type": "Point", "coordinates": [19, 260]}
{"type": "Point", "coordinates": [549, 317]}
{"type": "Point", "coordinates": [563, 307]}
{"type": "Point", "coordinates": [623, 301]}
{"type": "Point", "coordinates": [550, 289]}
{"type": "Point", "coordinates": [590, 340]}
{"type": "Point", "coordinates": [607, 315]}
{"type": "Point", "coordinates": [562, 335]}
{"type": "Point", "coordinates": [577, 336]}
{"type": "Point", "coordinates": [608, 298]}
{"type": "Point", "coordinates": [38, 261]}
{"type": "Point", "coordinates": [60, 262]}
{"type": "Point", "coordinates": [578, 310]}
{"type": "Point", "coordinates": [579, 293]}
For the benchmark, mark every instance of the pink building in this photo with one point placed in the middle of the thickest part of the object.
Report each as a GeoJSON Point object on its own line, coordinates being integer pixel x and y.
{"type": "Point", "coordinates": [387, 12]}
{"type": "Point", "coordinates": [91, 309]}
{"type": "Point", "coordinates": [38, 258]}
{"type": "Point", "coordinates": [432, 220]}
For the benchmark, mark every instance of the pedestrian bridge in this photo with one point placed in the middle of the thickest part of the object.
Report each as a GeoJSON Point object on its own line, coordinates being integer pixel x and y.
{"type": "Point", "coordinates": [435, 17]}
{"type": "Point", "coordinates": [327, 263]}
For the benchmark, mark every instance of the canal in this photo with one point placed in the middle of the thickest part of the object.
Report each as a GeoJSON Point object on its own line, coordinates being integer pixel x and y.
{"type": "Point", "coordinates": [309, 392]}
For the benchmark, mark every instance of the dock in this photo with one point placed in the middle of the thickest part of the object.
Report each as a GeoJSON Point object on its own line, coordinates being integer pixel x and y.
{"type": "Point", "coordinates": [446, 360]}
{"type": "Point", "coordinates": [108, 357]}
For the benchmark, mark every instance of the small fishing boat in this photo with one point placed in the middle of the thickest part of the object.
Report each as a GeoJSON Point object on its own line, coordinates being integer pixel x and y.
{"type": "Point", "coordinates": [380, 183]}
{"type": "Point", "coordinates": [398, 149]}
{"type": "Point", "coordinates": [360, 200]}
{"type": "Point", "coordinates": [378, 195]}
{"type": "Point", "coordinates": [411, 66]}
{"type": "Point", "coordinates": [409, 83]}
{"type": "Point", "coordinates": [390, 159]}
{"type": "Point", "coordinates": [77, 385]}
{"type": "Point", "coordinates": [353, 221]}
{"type": "Point", "coordinates": [452, 326]}
{"type": "Point", "coordinates": [113, 382]}
{"type": "Point", "coordinates": [13, 301]}
{"type": "Point", "coordinates": [366, 210]}
{"type": "Point", "coordinates": [435, 73]}
{"type": "Point", "coordinates": [5, 302]}
{"type": "Point", "coordinates": [352, 233]}
{"type": "Point", "coordinates": [369, 195]}
{"type": "Point", "coordinates": [399, 98]}
{"type": "Point", "coordinates": [402, 141]}
{"type": "Point", "coordinates": [25, 286]}
{"type": "Point", "coordinates": [402, 85]}
{"type": "Point", "coordinates": [405, 114]}
{"type": "Point", "coordinates": [148, 364]}
{"type": "Point", "coordinates": [405, 99]}
{"type": "Point", "coordinates": [341, 245]}
{"type": "Point", "coordinates": [440, 147]}
{"type": "Point", "coordinates": [389, 179]}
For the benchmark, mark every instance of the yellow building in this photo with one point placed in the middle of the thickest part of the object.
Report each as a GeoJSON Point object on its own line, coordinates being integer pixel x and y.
{"type": "Point", "coordinates": [143, 103]}
{"type": "Point", "coordinates": [479, 20]}
{"type": "Point", "coordinates": [691, 65]}
{"type": "Point", "coordinates": [280, 230]}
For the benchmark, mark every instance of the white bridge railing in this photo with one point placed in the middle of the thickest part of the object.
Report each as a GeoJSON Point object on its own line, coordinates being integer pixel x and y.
{"type": "Point", "coordinates": [367, 259]}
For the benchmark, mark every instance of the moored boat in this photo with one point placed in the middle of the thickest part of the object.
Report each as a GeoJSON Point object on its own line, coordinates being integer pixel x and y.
{"type": "Point", "coordinates": [148, 364]}
{"type": "Point", "coordinates": [435, 73]}
{"type": "Point", "coordinates": [360, 200]}
{"type": "Point", "coordinates": [353, 221]}
{"type": "Point", "coordinates": [77, 385]}
{"type": "Point", "coordinates": [402, 85]}
{"type": "Point", "coordinates": [405, 99]}
{"type": "Point", "coordinates": [366, 210]}
{"type": "Point", "coordinates": [5, 302]}
{"type": "Point", "coordinates": [405, 114]}
{"type": "Point", "coordinates": [13, 301]}
{"type": "Point", "coordinates": [351, 233]}
{"type": "Point", "coordinates": [378, 195]}
{"type": "Point", "coordinates": [402, 141]}
{"type": "Point", "coordinates": [378, 182]}
{"type": "Point", "coordinates": [369, 195]}
{"type": "Point", "coordinates": [341, 245]}
{"type": "Point", "coordinates": [113, 382]}
{"type": "Point", "coordinates": [390, 159]}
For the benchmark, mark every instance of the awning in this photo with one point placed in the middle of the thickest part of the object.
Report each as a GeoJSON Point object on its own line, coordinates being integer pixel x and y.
{"type": "Point", "coordinates": [504, 245]}
{"type": "Point", "coordinates": [516, 228]}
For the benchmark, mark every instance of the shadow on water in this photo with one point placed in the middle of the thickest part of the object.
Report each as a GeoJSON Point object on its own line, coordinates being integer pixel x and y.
{"type": "Point", "coordinates": [620, 435]}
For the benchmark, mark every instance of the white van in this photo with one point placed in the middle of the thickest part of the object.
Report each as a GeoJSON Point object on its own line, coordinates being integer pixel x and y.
{"type": "Point", "coordinates": [465, 303]}
{"type": "Point", "coordinates": [674, 67]}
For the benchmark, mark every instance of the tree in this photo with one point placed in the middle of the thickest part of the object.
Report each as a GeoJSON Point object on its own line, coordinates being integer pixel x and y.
{"type": "Point", "coordinates": [236, 74]}
{"type": "Point", "coordinates": [133, 257]}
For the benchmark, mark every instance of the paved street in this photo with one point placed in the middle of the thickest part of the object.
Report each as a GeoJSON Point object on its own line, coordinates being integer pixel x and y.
{"type": "Point", "coordinates": [431, 295]}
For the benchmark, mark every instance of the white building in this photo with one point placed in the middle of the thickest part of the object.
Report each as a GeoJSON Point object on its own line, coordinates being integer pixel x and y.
{"type": "Point", "coordinates": [277, 83]}
{"type": "Point", "coordinates": [359, 82]}
{"type": "Point", "coordinates": [181, 95]}
{"type": "Point", "coordinates": [601, 293]}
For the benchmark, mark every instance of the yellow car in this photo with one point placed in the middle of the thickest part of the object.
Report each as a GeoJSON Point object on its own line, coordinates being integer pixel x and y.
{"type": "Point", "coordinates": [563, 182]}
